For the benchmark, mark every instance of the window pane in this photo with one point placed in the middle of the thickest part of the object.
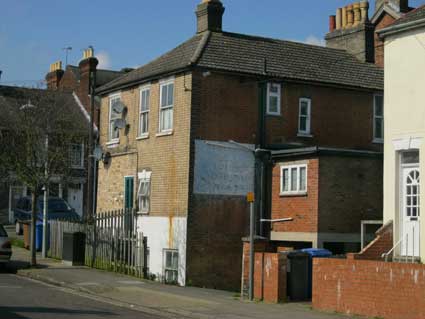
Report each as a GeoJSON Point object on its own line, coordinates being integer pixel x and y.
{"type": "Point", "coordinates": [378, 128]}
{"type": "Point", "coordinates": [379, 105]}
{"type": "Point", "coordinates": [175, 261]}
{"type": "Point", "coordinates": [285, 180]}
{"type": "Point", "coordinates": [168, 259]}
{"type": "Point", "coordinates": [303, 179]}
{"type": "Point", "coordinates": [164, 95]}
{"type": "Point", "coordinates": [294, 179]}
{"type": "Point", "coordinates": [273, 104]}
{"type": "Point", "coordinates": [303, 124]}
{"type": "Point", "coordinates": [170, 100]}
{"type": "Point", "coordinates": [166, 119]}
{"type": "Point", "coordinates": [410, 157]}
{"type": "Point", "coordinates": [304, 108]}
{"type": "Point", "coordinates": [274, 88]}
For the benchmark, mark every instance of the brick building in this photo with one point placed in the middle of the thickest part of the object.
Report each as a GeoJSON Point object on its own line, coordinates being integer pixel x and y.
{"type": "Point", "coordinates": [195, 116]}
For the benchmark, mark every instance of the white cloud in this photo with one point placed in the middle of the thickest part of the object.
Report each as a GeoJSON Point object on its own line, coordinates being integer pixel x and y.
{"type": "Point", "coordinates": [311, 39]}
{"type": "Point", "coordinates": [104, 60]}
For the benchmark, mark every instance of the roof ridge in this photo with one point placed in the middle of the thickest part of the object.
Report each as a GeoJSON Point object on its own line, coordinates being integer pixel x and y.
{"type": "Point", "coordinates": [201, 47]}
{"type": "Point", "coordinates": [259, 37]}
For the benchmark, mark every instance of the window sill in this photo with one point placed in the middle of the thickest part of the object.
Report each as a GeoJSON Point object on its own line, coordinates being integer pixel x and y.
{"type": "Point", "coordinates": [294, 194]}
{"type": "Point", "coordinates": [113, 143]}
{"type": "Point", "coordinates": [304, 135]}
{"type": "Point", "coordinates": [139, 213]}
{"type": "Point", "coordinates": [167, 133]}
{"type": "Point", "coordinates": [378, 141]}
{"type": "Point", "coordinates": [273, 114]}
{"type": "Point", "coordinates": [142, 137]}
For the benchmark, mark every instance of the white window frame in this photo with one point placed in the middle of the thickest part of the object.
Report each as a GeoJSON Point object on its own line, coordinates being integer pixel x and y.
{"type": "Point", "coordinates": [144, 112]}
{"type": "Point", "coordinates": [144, 178]}
{"type": "Point", "coordinates": [278, 95]}
{"type": "Point", "coordinates": [375, 117]}
{"type": "Point", "coordinates": [307, 131]}
{"type": "Point", "coordinates": [167, 107]}
{"type": "Point", "coordinates": [290, 191]}
{"type": "Point", "coordinates": [166, 269]}
{"type": "Point", "coordinates": [81, 165]}
{"type": "Point", "coordinates": [112, 140]}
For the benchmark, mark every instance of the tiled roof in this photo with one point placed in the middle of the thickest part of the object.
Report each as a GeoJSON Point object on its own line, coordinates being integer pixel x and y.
{"type": "Point", "coordinates": [18, 96]}
{"type": "Point", "coordinates": [260, 56]}
{"type": "Point", "coordinates": [102, 76]}
{"type": "Point", "coordinates": [414, 15]}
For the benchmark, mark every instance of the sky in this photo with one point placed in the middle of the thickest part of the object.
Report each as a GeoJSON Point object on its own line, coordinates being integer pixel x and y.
{"type": "Point", "coordinates": [130, 33]}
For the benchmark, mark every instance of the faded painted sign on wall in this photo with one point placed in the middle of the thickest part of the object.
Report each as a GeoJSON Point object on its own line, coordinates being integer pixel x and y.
{"type": "Point", "coordinates": [223, 168]}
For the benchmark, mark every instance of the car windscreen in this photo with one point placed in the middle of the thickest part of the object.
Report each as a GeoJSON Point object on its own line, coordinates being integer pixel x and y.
{"type": "Point", "coordinates": [56, 206]}
{"type": "Point", "coordinates": [2, 232]}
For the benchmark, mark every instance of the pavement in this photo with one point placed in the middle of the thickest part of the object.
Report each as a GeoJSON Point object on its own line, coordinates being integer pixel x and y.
{"type": "Point", "coordinates": [154, 298]}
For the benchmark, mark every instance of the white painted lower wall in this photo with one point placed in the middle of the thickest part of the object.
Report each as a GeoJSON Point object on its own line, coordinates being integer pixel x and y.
{"type": "Point", "coordinates": [164, 233]}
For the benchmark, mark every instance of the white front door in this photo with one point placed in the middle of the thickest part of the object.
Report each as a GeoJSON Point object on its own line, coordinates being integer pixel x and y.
{"type": "Point", "coordinates": [410, 211]}
{"type": "Point", "coordinates": [75, 199]}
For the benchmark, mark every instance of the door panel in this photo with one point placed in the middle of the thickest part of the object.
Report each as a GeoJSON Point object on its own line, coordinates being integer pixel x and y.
{"type": "Point", "coordinates": [410, 211]}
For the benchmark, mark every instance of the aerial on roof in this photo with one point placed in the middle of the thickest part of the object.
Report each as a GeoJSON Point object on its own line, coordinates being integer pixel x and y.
{"type": "Point", "coordinates": [258, 56]}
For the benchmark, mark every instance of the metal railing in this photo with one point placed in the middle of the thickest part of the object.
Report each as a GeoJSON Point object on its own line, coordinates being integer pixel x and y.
{"type": "Point", "coordinates": [404, 241]}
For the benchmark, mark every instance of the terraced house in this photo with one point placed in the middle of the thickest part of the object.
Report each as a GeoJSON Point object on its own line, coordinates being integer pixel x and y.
{"type": "Point", "coordinates": [224, 114]}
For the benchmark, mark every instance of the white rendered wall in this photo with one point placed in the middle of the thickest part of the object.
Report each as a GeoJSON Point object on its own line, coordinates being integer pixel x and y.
{"type": "Point", "coordinates": [164, 233]}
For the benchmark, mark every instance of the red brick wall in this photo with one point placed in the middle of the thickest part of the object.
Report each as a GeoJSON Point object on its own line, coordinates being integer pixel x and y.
{"type": "Point", "coordinates": [385, 21]}
{"type": "Point", "coordinates": [369, 288]}
{"type": "Point", "coordinates": [229, 110]}
{"type": "Point", "coordinates": [339, 117]}
{"type": "Point", "coordinates": [304, 209]}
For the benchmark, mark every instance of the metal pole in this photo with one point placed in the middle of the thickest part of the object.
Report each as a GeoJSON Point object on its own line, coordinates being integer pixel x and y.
{"type": "Point", "coordinates": [251, 251]}
{"type": "Point", "coordinates": [46, 202]}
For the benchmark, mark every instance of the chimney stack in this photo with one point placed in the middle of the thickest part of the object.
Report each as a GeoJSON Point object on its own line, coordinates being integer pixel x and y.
{"type": "Point", "coordinates": [210, 16]}
{"type": "Point", "coordinates": [87, 65]}
{"type": "Point", "coordinates": [54, 76]}
{"type": "Point", "coordinates": [353, 32]}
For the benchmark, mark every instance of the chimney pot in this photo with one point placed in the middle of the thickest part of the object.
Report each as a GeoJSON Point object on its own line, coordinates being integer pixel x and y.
{"type": "Point", "coordinates": [357, 15]}
{"type": "Point", "coordinates": [350, 16]}
{"type": "Point", "coordinates": [344, 17]}
{"type": "Point", "coordinates": [54, 76]}
{"type": "Point", "coordinates": [364, 11]}
{"type": "Point", "coordinates": [332, 23]}
{"type": "Point", "coordinates": [338, 21]}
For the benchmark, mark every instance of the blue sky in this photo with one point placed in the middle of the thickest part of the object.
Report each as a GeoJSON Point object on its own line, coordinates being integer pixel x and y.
{"type": "Point", "coordinates": [129, 33]}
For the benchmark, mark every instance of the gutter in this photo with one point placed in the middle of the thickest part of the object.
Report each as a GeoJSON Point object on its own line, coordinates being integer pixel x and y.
{"type": "Point", "coordinates": [400, 28]}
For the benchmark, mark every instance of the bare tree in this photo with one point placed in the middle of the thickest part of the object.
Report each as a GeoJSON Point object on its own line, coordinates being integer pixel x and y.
{"type": "Point", "coordinates": [37, 128]}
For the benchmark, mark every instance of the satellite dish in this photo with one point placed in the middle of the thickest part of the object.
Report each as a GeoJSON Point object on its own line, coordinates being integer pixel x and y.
{"type": "Point", "coordinates": [120, 123]}
{"type": "Point", "coordinates": [97, 153]}
{"type": "Point", "coordinates": [118, 107]}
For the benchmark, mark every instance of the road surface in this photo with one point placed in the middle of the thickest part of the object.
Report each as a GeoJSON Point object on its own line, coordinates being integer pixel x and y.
{"type": "Point", "coordinates": [22, 298]}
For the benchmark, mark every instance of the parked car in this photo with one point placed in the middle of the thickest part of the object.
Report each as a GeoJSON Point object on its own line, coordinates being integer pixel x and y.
{"type": "Point", "coordinates": [58, 208]}
{"type": "Point", "coordinates": [5, 247]}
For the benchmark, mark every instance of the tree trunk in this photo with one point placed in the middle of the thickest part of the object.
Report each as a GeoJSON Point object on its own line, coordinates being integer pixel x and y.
{"type": "Point", "coordinates": [33, 228]}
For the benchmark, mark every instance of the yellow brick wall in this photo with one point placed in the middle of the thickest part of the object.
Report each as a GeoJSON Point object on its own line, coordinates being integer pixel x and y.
{"type": "Point", "coordinates": [166, 156]}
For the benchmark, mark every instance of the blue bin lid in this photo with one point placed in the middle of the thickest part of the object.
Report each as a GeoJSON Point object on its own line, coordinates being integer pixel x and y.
{"type": "Point", "coordinates": [317, 252]}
